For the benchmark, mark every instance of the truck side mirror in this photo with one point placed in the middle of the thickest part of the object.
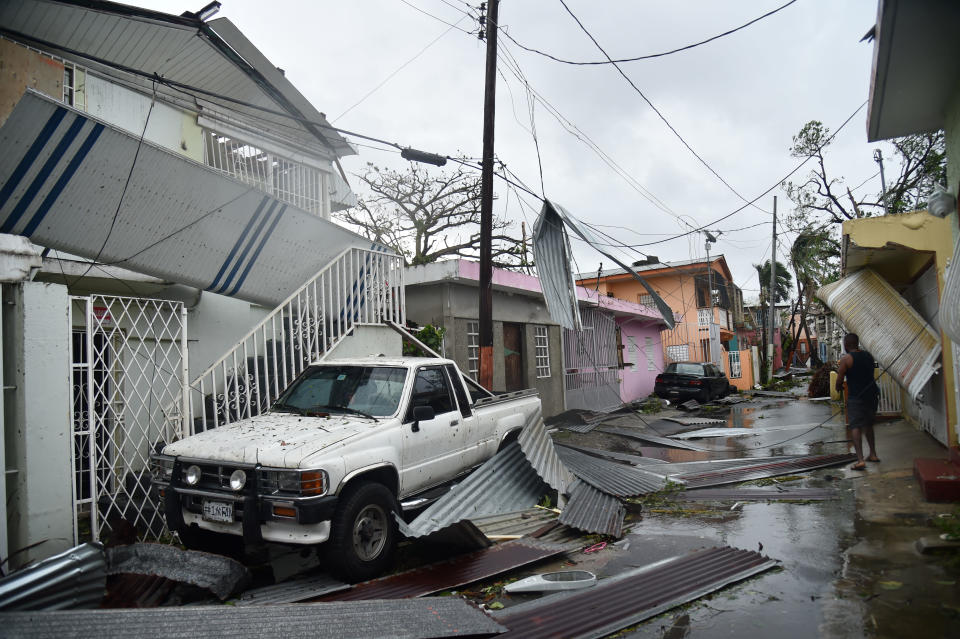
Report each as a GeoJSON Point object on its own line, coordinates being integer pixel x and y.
{"type": "Point", "coordinates": [422, 414]}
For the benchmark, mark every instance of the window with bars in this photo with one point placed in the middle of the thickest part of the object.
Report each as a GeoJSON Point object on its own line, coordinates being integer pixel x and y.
{"type": "Point", "coordinates": [541, 344]}
{"type": "Point", "coordinates": [473, 349]}
{"type": "Point", "coordinates": [645, 299]}
{"type": "Point", "coordinates": [292, 182]}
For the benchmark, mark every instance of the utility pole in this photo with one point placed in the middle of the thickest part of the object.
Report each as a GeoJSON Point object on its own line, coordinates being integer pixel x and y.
{"type": "Point", "coordinates": [486, 200]}
{"type": "Point", "coordinates": [706, 244]}
{"type": "Point", "coordinates": [878, 158]}
{"type": "Point", "coordinates": [771, 293]}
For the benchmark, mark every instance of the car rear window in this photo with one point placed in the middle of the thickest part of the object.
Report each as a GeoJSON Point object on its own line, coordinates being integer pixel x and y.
{"type": "Point", "coordinates": [686, 369]}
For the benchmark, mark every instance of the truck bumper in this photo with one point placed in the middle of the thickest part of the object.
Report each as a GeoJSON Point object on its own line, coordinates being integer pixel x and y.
{"type": "Point", "coordinates": [303, 521]}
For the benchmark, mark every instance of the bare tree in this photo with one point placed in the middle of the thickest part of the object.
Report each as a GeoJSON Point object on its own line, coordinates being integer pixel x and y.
{"type": "Point", "coordinates": [825, 198]}
{"type": "Point", "coordinates": [429, 215]}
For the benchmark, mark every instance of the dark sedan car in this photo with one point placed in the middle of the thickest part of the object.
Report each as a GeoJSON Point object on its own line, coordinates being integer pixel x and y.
{"type": "Point", "coordinates": [702, 381]}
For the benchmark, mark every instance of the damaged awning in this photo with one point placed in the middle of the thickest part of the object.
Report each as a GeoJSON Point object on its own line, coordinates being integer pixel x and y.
{"type": "Point", "coordinates": [553, 256]}
{"type": "Point", "coordinates": [896, 335]}
{"type": "Point", "coordinates": [73, 183]}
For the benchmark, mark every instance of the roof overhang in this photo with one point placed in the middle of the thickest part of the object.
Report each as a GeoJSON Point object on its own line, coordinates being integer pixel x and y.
{"type": "Point", "coordinates": [73, 183]}
{"type": "Point", "coordinates": [916, 67]}
{"type": "Point", "coordinates": [135, 44]}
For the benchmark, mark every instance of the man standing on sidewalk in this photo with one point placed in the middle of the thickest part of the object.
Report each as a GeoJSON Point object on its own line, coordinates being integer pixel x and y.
{"type": "Point", "coordinates": [863, 395]}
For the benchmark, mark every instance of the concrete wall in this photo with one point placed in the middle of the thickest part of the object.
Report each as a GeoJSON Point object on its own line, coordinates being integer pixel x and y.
{"type": "Point", "coordinates": [38, 433]}
{"type": "Point", "coordinates": [369, 341]}
{"type": "Point", "coordinates": [20, 69]}
{"type": "Point", "coordinates": [453, 305]}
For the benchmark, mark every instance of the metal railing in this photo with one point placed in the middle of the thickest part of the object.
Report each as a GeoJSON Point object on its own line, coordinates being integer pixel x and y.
{"type": "Point", "coordinates": [358, 287]}
{"type": "Point", "coordinates": [736, 370]}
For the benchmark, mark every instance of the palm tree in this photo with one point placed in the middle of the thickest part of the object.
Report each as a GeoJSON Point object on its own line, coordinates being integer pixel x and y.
{"type": "Point", "coordinates": [814, 257]}
{"type": "Point", "coordinates": [781, 289]}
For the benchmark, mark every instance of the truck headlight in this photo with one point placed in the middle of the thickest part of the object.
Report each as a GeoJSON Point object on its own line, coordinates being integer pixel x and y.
{"type": "Point", "coordinates": [161, 468]}
{"type": "Point", "coordinates": [192, 476]}
{"type": "Point", "coordinates": [296, 482]}
{"type": "Point", "coordinates": [238, 479]}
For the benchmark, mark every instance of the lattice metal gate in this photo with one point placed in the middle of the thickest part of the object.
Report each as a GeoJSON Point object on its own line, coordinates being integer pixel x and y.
{"type": "Point", "coordinates": [128, 375]}
{"type": "Point", "coordinates": [591, 375]}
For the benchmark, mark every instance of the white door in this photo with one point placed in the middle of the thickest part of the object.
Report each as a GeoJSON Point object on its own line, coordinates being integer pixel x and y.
{"type": "Point", "coordinates": [431, 448]}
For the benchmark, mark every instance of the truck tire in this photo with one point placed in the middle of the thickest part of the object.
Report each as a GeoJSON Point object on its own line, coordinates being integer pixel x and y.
{"type": "Point", "coordinates": [363, 534]}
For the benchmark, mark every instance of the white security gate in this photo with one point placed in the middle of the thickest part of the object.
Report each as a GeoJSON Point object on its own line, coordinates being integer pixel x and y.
{"type": "Point", "coordinates": [591, 379]}
{"type": "Point", "coordinates": [128, 374]}
{"type": "Point", "coordinates": [736, 369]}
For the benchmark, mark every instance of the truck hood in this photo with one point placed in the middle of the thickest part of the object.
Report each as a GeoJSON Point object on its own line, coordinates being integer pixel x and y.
{"type": "Point", "coordinates": [273, 439]}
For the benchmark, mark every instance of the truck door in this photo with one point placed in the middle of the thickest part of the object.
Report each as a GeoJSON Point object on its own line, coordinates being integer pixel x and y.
{"type": "Point", "coordinates": [431, 448]}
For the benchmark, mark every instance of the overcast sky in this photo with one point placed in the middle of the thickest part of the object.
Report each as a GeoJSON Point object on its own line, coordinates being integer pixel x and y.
{"type": "Point", "coordinates": [736, 101]}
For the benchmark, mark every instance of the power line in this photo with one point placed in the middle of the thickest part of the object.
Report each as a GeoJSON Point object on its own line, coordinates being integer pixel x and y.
{"type": "Point", "coordinates": [652, 55]}
{"type": "Point", "coordinates": [657, 111]}
{"type": "Point", "coordinates": [449, 24]}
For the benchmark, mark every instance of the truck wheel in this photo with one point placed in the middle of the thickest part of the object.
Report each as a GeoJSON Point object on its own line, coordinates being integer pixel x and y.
{"type": "Point", "coordinates": [363, 535]}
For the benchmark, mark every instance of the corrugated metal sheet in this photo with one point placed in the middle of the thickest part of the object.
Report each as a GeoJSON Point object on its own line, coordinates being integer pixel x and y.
{"type": "Point", "coordinates": [73, 579]}
{"type": "Point", "coordinates": [620, 602]}
{"type": "Point", "coordinates": [950, 298]}
{"type": "Point", "coordinates": [454, 573]}
{"type": "Point", "coordinates": [538, 448]}
{"type": "Point", "coordinates": [291, 591]}
{"type": "Point", "coordinates": [761, 470]}
{"type": "Point", "coordinates": [504, 483]}
{"type": "Point", "coordinates": [519, 522]}
{"type": "Point", "coordinates": [610, 477]}
{"type": "Point", "coordinates": [634, 433]}
{"type": "Point", "coordinates": [462, 535]}
{"type": "Point", "coordinates": [600, 245]}
{"type": "Point", "coordinates": [61, 179]}
{"type": "Point", "coordinates": [895, 334]}
{"type": "Point", "coordinates": [170, 46]}
{"type": "Point", "coordinates": [679, 468]}
{"type": "Point", "coordinates": [408, 619]}
{"type": "Point", "coordinates": [637, 460]}
{"type": "Point", "coordinates": [716, 432]}
{"type": "Point", "coordinates": [553, 256]}
{"type": "Point", "coordinates": [137, 591]}
{"type": "Point", "coordinates": [756, 494]}
{"type": "Point", "coordinates": [592, 511]}
{"type": "Point", "coordinates": [693, 421]}
{"type": "Point", "coordinates": [220, 575]}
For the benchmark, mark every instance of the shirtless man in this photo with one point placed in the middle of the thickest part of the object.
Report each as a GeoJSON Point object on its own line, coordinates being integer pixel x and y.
{"type": "Point", "coordinates": [863, 394]}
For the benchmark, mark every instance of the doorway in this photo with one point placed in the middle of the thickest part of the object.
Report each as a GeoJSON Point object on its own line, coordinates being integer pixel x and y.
{"type": "Point", "coordinates": [513, 356]}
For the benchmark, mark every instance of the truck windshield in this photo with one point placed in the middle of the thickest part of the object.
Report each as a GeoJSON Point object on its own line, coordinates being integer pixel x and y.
{"type": "Point", "coordinates": [374, 390]}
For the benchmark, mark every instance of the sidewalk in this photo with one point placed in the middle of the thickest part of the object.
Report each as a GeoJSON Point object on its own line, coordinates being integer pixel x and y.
{"type": "Point", "coordinates": [903, 592]}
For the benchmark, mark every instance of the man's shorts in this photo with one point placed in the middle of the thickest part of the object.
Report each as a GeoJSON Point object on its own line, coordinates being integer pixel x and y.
{"type": "Point", "coordinates": [862, 411]}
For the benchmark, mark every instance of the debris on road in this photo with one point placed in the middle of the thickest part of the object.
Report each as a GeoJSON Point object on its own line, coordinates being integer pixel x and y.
{"type": "Point", "coordinates": [293, 590]}
{"type": "Point", "coordinates": [610, 477]}
{"type": "Point", "coordinates": [550, 581]}
{"type": "Point", "coordinates": [694, 421]}
{"type": "Point", "coordinates": [220, 575]}
{"type": "Point", "coordinates": [760, 469]}
{"type": "Point", "coordinates": [539, 450]}
{"type": "Point", "coordinates": [690, 404]}
{"type": "Point", "coordinates": [715, 432]}
{"type": "Point", "coordinates": [453, 573]}
{"type": "Point", "coordinates": [756, 494]}
{"type": "Point", "coordinates": [407, 619]}
{"type": "Point", "coordinates": [71, 580]}
{"type": "Point", "coordinates": [622, 601]}
{"type": "Point", "coordinates": [593, 511]}
{"type": "Point", "coordinates": [636, 433]}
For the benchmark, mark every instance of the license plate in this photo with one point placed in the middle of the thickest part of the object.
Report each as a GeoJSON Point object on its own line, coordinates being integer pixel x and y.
{"type": "Point", "coordinates": [221, 511]}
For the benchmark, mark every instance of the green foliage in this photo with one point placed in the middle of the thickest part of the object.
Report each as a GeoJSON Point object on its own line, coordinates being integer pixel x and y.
{"type": "Point", "coordinates": [430, 335]}
{"type": "Point", "coordinates": [781, 286]}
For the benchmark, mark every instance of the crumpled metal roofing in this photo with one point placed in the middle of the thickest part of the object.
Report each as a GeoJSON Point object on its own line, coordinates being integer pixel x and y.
{"type": "Point", "coordinates": [625, 600]}
{"type": "Point", "coordinates": [636, 459]}
{"type": "Point", "coordinates": [456, 572]}
{"type": "Point", "coordinates": [220, 575]}
{"type": "Point", "coordinates": [504, 483]}
{"type": "Point", "coordinates": [756, 494]}
{"type": "Point", "coordinates": [552, 215]}
{"type": "Point", "coordinates": [610, 477]}
{"type": "Point", "coordinates": [519, 522]}
{"type": "Point", "coordinates": [950, 297]}
{"type": "Point", "coordinates": [693, 421]}
{"type": "Point", "coordinates": [710, 465]}
{"type": "Point", "coordinates": [73, 579]}
{"type": "Point", "coordinates": [899, 339]}
{"type": "Point", "coordinates": [217, 233]}
{"type": "Point", "coordinates": [405, 618]}
{"type": "Point", "coordinates": [538, 448]}
{"type": "Point", "coordinates": [593, 511]}
{"type": "Point", "coordinates": [291, 591]}
{"type": "Point", "coordinates": [762, 469]}
{"type": "Point", "coordinates": [553, 256]}
{"type": "Point", "coordinates": [634, 433]}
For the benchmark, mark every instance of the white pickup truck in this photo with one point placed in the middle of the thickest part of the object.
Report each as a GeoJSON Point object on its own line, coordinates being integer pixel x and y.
{"type": "Point", "coordinates": [348, 443]}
